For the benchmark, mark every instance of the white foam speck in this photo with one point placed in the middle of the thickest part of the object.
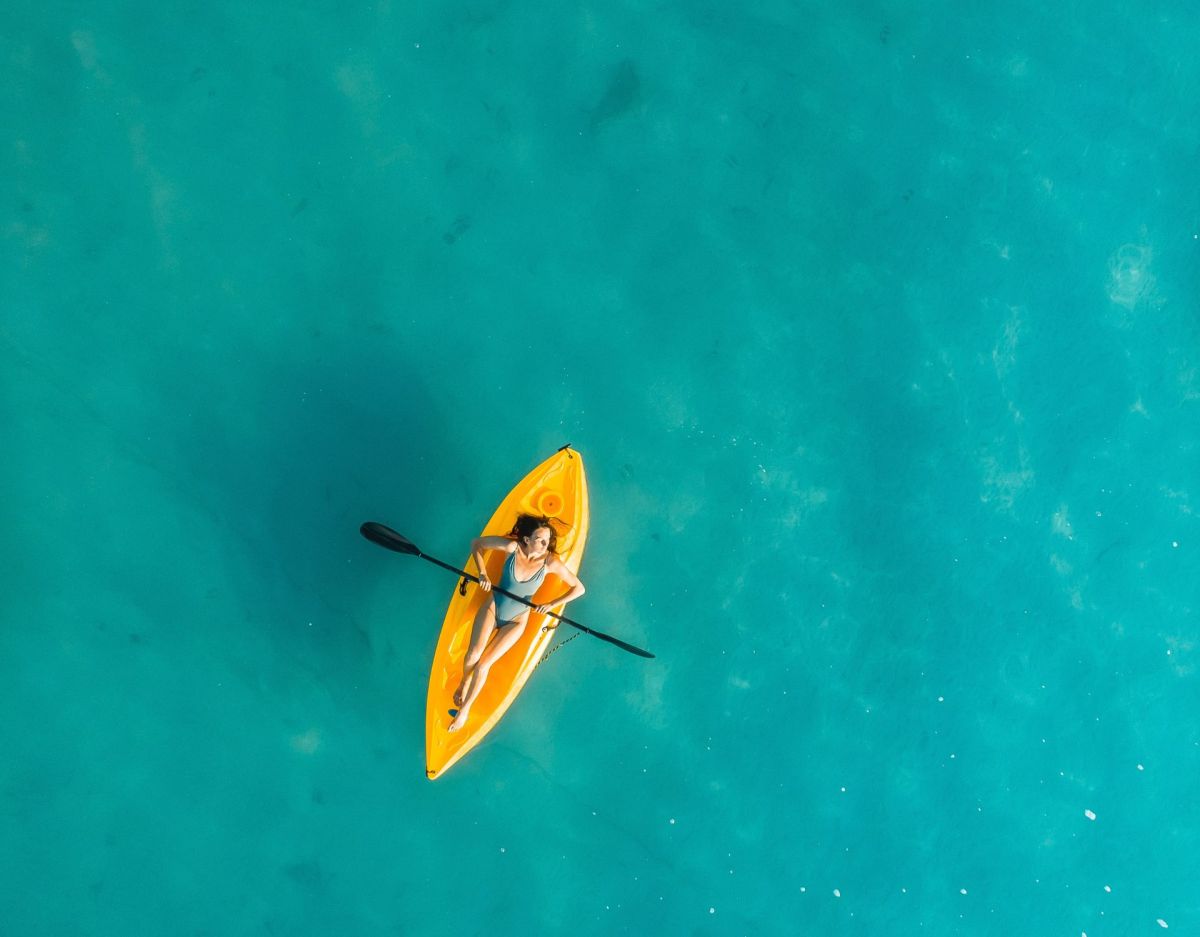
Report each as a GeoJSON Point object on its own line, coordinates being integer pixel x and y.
{"type": "Point", "coordinates": [1108, 888]}
{"type": "Point", "coordinates": [962, 891]}
{"type": "Point", "coordinates": [712, 910]}
{"type": "Point", "coordinates": [1162, 923]}
{"type": "Point", "coordinates": [1141, 768]}
{"type": "Point", "coordinates": [1089, 815]}
{"type": "Point", "coordinates": [837, 893]}
{"type": "Point", "coordinates": [672, 821]}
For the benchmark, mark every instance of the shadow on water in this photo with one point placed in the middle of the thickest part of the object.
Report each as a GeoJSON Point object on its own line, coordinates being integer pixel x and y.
{"type": "Point", "coordinates": [328, 440]}
{"type": "Point", "coordinates": [621, 93]}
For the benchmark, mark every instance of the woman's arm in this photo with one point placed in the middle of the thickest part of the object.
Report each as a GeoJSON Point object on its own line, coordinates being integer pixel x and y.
{"type": "Point", "coordinates": [555, 566]}
{"type": "Point", "coordinates": [478, 546]}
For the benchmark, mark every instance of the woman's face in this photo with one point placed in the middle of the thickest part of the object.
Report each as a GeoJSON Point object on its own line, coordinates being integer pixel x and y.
{"type": "Point", "coordinates": [538, 542]}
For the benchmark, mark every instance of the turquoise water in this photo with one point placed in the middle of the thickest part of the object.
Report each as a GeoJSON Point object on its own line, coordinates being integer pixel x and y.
{"type": "Point", "coordinates": [877, 325]}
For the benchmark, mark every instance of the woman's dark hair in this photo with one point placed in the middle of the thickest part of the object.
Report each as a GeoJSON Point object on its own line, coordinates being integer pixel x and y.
{"type": "Point", "coordinates": [528, 523]}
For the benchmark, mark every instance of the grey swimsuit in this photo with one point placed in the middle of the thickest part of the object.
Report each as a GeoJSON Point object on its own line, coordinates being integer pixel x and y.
{"type": "Point", "coordinates": [508, 610]}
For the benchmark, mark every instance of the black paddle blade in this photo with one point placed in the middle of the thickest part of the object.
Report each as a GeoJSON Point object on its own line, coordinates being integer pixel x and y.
{"type": "Point", "coordinates": [621, 644]}
{"type": "Point", "coordinates": [388, 538]}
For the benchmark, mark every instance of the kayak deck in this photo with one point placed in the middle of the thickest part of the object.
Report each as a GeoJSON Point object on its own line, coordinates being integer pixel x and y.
{"type": "Point", "coordinates": [557, 488]}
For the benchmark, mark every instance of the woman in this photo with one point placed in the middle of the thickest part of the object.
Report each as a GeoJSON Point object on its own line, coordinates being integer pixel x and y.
{"type": "Point", "coordinates": [530, 548]}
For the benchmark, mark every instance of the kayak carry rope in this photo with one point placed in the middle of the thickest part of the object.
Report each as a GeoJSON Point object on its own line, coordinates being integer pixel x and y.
{"type": "Point", "coordinates": [563, 643]}
{"type": "Point", "coordinates": [386, 537]}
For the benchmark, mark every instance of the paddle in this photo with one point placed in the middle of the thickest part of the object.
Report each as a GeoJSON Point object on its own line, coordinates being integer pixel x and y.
{"type": "Point", "coordinates": [389, 539]}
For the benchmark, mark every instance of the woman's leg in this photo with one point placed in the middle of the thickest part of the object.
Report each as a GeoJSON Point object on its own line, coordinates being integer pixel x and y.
{"type": "Point", "coordinates": [507, 638]}
{"type": "Point", "coordinates": [481, 630]}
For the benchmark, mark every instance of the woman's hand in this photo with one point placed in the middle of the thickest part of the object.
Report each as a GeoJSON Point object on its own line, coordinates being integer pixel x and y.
{"type": "Point", "coordinates": [542, 609]}
{"type": "Point", "coordinates": [484, 583]}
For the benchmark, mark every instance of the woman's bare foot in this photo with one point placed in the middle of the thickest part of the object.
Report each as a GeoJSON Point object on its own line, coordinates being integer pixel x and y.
{"type": "Point", "coordinates": [459, 721]}
{"type": "Point", "coordinates": [463, 688]}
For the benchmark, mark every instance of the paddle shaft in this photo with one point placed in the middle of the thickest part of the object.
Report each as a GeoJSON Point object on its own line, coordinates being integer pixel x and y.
{"type": "Point", "coordinates": [387, 538]}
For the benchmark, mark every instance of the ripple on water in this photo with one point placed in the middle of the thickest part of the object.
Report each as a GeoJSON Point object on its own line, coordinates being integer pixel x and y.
{"type": "Point", "coordinates": [1130, 282]}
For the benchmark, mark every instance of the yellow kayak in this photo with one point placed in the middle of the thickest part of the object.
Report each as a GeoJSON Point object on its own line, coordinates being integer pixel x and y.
{"type": "Point", "coordinates": [557, 489]}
